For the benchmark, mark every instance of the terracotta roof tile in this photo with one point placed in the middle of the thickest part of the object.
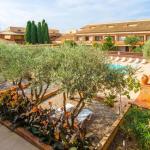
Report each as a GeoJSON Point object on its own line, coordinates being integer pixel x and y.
{"type": "Point", "coordinates": [132, 26]}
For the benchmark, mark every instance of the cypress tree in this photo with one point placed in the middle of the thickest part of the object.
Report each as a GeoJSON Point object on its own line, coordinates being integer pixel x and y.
{"type": "Point", "coordinates": [46, 34]}
{"type": "Point", "coordinates": [28, 32]}
{"type": "Point", "coordinates": [39, 33]}
{"type": "Point", "coordinates": [33, 33]}
{"type": "Point", "coordinates": [43, 31]}
{"type": "Point", "coordinates": [36, 33]}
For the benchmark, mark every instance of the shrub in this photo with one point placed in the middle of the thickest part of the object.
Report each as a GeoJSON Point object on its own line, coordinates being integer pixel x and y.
{"type": "Point", "coordinates": [146, 50]}
{"type": "Point", "coordinates": [97, 45]}
{"type": "Point", "coordinates": [137, 123]}
{"type": "Point", "coordinates": [70, 43]}
{"type": "Point", "coordinates": [132, 41]}
{"type": "Point", "coordinates": [108, 44]}
{"type": "Point", "coordinates": [138, 49]}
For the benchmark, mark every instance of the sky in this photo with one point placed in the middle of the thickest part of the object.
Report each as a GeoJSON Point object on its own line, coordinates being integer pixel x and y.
{"type": "Point", "coordinates": [71, 14]}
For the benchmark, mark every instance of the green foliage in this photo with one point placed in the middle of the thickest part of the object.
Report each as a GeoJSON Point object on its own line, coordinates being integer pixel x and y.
{"type": "Point", "coordinates": [146, 50]}
{"type": "Point", "coordinates": [33, 33]}
{"type": "Point", "coordinates": [97, 45]}
{"type": "Point", "coordinates": [137, 123]}
{"type": "Point", "coordinates": [39, 32]}
{"type": "Point", "coordinates": [46, 34]}
{"type": "Point", "coordinates": [70, 43]}
{"type": "Point", "coordinates": [28, 32]}
{"type": "Point", "coordinates": [138, 49]}
{"type": "Point", "coordinates": [132, 41]}
{"type": "Point", "coordinates": [110, 100]}
{"type": "Point", "coordinates": [108, 44]}
{"type": "Point", "coordinates": [43, 30]}
{"type": "Point", "coordinates": [77, 70]}
{"type": "Point", "coordinates": [14, 62]}
{"type": "Point", "coordinates": [119, 82]}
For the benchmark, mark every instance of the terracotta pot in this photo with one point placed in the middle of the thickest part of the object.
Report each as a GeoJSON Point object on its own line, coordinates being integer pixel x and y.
{"type": "Point", "coordinates": [144, 79]}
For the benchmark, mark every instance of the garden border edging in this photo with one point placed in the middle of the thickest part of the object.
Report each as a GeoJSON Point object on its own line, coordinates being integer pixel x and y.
{"type": "Point", "coordinates": [28, 136]}
{"type": "Point", "coordinates": [108, 138]}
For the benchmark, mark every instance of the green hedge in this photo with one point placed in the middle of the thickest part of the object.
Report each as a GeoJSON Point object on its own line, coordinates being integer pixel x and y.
{"type": "Point", "coordinates": [137, 123]}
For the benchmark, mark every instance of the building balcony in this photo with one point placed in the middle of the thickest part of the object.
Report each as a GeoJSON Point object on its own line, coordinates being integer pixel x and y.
{"type": "Point", "coordinates": [122, 43]}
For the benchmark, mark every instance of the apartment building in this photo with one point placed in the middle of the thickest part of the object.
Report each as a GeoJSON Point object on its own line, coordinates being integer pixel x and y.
{"type": "Point", "coordinates": [54, 34]}
{"type": "Point", "coordinates": [118, 31]}
{"type": "Point", "coordinates": [15, 34]}
{"type": "Point", "coordinates": [67, 36]}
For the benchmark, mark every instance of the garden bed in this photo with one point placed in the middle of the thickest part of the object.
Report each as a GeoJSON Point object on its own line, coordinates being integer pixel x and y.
{"type": "Point", "coordinates": [104, 122]}
{"type": "Point", "coordinates": [121, 142]}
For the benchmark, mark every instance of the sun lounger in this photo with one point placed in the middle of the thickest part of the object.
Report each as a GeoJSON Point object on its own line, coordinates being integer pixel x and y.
{"type": "Point", "coordinates": [123, 59]}
{"type": "Point", "coordinates": [84, 115]}
{"type": "Point", "coordinates": [117, 58]}
{"type": "Point", "coordinates": [137, 60]}
{"type": "Point", "coordinates": [130, 60]}
{"type": "Point", "coordinates": [144, 61]}
{"type": "Point", "coordinates": [111, 58]}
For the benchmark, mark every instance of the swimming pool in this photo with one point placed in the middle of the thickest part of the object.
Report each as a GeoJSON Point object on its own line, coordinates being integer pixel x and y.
{"type": "Point", "coordinates": [117, 66]}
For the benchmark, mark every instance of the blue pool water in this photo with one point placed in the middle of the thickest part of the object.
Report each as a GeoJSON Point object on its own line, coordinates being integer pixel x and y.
{"type": "Point", "coordinates": [117, 66]}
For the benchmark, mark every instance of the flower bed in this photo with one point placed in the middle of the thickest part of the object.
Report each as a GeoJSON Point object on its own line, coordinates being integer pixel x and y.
{"type": "Point", "coordinates": [104, 124]}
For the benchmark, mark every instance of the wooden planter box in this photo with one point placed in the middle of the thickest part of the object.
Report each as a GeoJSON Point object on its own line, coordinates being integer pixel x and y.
{"type": "Point", "coordinates": [27, 136]}
{"type": "Point", "coordinates": [103, 144]}
{"type": "Point", "coordinates": [25, 133]}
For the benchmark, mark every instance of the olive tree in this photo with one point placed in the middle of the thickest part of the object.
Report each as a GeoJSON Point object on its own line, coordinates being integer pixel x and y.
{"type": "Point", "coordinates": [33, 64]}
{"type": "Point", "coordinates": [118, 83]}
{"type": "Point", "coordinates": [80, 70]}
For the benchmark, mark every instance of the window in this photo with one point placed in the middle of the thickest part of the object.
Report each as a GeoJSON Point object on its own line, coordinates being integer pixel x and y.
{"type": "Point", "coordinates": [80, 38]}
{"type": "Point", "coordinates": [148, 37]}
{"type": "Point", "coordinates": [121, 38]}
{"type": "Point", "coordinates": [141, 38]}
{"type": "Point", "coordinates": [98, 38]}
{"type": "Point", "coordinates": [87, 38]}
{"type": "Point", "coordinates": [110, 26]}
{"type": "Point", "coordinates": [132, 25]}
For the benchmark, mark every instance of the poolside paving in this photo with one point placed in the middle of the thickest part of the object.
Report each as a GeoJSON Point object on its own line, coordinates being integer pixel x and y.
{"type": "Point", "coordinates": [11, 141]}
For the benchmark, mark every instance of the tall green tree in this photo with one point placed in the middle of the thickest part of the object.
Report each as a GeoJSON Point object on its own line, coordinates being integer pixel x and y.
{"type": "Point", "coordinates": [33, 33]}
{"type": "Point", "coordinates": [46, 34]}
{"type": "Point", "coordinates": [28, 32]}
{"type": "Point", "coordinates": [132, 41]}
{"type": "Point", "coordinates": [108, 44]}
{"type": "Point", "coordinates": [39, 33]}
{"type": "Point", "coordinates": [43, 30]}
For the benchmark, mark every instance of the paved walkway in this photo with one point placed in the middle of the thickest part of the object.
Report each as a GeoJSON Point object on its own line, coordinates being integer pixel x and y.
{"type": "Point", "coordinates": [11, 141]}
